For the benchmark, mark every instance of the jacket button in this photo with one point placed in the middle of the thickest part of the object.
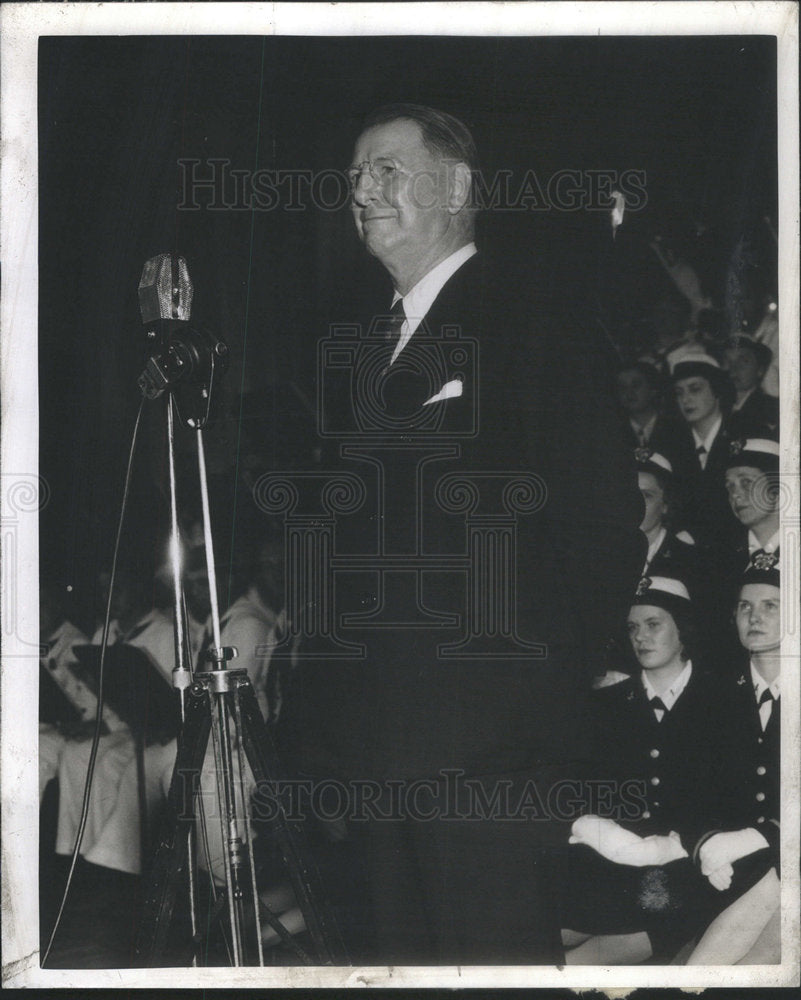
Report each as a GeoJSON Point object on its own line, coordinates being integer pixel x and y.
{"type": "Point", "coordinates": [654, 781]}
{"type": "Point", "coordinates": [761, 740]}
{"type": "Point", "coordinates": [760, 819]}
{"type": "Point", "coordinates": [654, 752]}
{"type": "Point", "coordinates": [760, 796]}
{"type": "Point", "coordinates": [646, 815]}
{"type": "Point", "coordinates": [655, 805]}
{"type": "Point", "coordinates": [760, 770]}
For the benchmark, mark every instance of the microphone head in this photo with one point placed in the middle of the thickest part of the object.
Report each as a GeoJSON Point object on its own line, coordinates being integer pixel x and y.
{"type": "Point", "coordinates": [165, 289]}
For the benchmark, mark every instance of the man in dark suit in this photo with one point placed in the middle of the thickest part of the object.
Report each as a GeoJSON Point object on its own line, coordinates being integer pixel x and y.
{"type": "Point", "coordinates": [496, 490]}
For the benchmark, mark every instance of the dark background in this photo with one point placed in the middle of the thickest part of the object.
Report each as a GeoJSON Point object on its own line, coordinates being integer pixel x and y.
{"type": "Point", "coordinates": [697, 115]}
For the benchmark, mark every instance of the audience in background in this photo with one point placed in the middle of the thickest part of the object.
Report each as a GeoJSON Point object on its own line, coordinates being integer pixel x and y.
{"type": "Point", "coordinates": [754, 412]}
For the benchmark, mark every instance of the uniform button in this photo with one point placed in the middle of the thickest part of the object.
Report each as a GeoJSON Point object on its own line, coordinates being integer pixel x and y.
{"type": "Point", "coordinates": [760, 796]}
{"type": "Point", "coordinates": [760, 770]}
{"type": "Point", "coordinates": [655, 805]}
{"type": "Point", "coordinates": [646, 815]}
{"type": "Point", "coordinates": [654, 781]}
{"type": "Point", "coordinates": [654, 752]}
{"type": "Point", "coordinates": [760, 819]}
{"type": "Point", "coordinates": [760, 740]}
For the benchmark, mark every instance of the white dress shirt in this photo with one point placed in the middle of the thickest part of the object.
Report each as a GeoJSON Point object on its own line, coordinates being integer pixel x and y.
{"type": "Point", "coordinates": [707, 441]}
{"type": "Point", "coordinates": [760, 685]}
{"type": "Point", "coordinates": [645, 431]}
{"type": "Point", "coordinates": [738, 405]}
{"type": "Point", "coordinates": [653, 548]}
{"type": "Point", "coordinates": [418, 300]}
{"type": "Point", "coordinates": [671, 696]}
{"type": "Point", "coordinates": [770, 545]}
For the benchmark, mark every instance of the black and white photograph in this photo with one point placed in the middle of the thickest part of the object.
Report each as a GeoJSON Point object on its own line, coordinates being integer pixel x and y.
{"type": "Point", "coordinates": [400, 495]}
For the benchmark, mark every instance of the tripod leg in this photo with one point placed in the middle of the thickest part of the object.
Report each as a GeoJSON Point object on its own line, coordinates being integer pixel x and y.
{"type": "Point", "coordinates": [289, 834]}
{"type": "Point", "coordinates": [171, 858]}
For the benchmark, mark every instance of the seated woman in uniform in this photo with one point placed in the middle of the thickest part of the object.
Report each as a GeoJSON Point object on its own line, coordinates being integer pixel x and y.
{"type": "Point", "coordinates": [627, 889]}
{"type": "Point", "coordinates": [740, 852]}
{"type": "Point", "coordinates": [704, 394]}
{"type": "Point", "coordinates": [754, 412]}
{"type": "Point", "coordinates": [752, 485]}
{"type": "Point", "coordinates": [670, 553]}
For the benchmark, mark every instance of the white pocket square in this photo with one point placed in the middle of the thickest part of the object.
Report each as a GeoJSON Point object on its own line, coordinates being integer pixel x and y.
{"type": "Point", "coordinates": [449, 391]}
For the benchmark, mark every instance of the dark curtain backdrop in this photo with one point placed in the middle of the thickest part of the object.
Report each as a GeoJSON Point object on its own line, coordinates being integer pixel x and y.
{"type": "Point", "coordinates": [698, 115]}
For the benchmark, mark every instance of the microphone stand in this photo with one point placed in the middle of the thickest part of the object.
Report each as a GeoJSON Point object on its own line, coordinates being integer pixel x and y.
{"type": "Point", "coordinates": [210, 703]}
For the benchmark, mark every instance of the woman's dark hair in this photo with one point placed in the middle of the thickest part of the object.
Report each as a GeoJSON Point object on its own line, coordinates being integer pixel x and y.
{"type": "Point", "coordinates": [689, 634]}
{"type": "Point", "coordinates": [721, 385]}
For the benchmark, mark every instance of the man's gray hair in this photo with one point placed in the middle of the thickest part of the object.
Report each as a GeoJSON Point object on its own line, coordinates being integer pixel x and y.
{"type": "Point", "coordinates": [443, 134]}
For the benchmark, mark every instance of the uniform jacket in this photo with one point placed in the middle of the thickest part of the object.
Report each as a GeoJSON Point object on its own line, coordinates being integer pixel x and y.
{"type": "Point", "coordinates": [708, 514]}
{"type": "Point", "coordinates": [749, 776]}
{"type": "Point", "coordinates": [664, 771]}
{"type": "Point", "coordinates": [757, 417]}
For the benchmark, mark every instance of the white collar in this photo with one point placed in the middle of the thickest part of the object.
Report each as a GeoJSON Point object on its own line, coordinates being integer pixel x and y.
{"type": "Point", "coordinates": [709, 439]}
{"type": "Point", "coordinates": [760, 684]}
{"type": "Point", "coordinates": [744, 400]}
{"type": "Point", "coordinates": [418, 300]}
{"type": "Point", "coordinates": [646, 429]}
{"type": "Point", "coordinates": [671, 696]}
{"type": "Point", "coordinates": [653, 548]}
{"type": "Point", "coordinates": [770, 545]}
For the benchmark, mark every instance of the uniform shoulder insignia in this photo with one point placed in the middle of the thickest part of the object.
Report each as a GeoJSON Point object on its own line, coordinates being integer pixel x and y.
{"type": "Point", "coordinates": [741, 679]}
{"type": "Point", "coordinates": [736, 445]}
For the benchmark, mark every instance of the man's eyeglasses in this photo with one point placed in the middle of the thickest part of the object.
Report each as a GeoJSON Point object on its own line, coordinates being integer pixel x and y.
{"type": "Point", "coordinates": [381, 171]}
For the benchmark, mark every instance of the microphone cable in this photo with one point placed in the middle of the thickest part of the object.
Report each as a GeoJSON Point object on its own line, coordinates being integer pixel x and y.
{"type": "Point", "coordinates": [99, 717]}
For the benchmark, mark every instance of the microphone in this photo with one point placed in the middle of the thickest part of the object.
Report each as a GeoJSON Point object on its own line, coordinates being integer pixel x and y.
{"type": "Point", "coordinates": [184, 360]}
{"type": "Point", "coordinates": [165, 289]}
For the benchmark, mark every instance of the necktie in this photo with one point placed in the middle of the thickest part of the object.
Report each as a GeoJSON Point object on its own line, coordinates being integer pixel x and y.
{"type": "Point", "coordinates": [393, 327]}
{"type": "Point", "coordinates": [641, 437]}
{"type": "Point", "coordinates": [700, 451]}
{"type": "Point", "coordinates": [392, 330]}
{"type": "Point", "coordinates": [659, 707]}
{"type": "Point", "coordinates": [765, 706]}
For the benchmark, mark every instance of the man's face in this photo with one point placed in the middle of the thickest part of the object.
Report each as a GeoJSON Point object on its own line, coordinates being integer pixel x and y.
{"type": "Point", "coordinates": [403, 210]}
{"type": "Point", "coordinates": [695, 399]}
{"type": "Point", "coordinates": [743, 368]}
{"type": "Point", "coordinates": [654, 637]}
{"type": "Point", "coordinates": [751, 495]}
{"type": "Point", "coordinates": [758, 617]}
{"type": "Point", "coordinates": [654, 497]}
{"type": "Point", "coordinates": [634, 392]}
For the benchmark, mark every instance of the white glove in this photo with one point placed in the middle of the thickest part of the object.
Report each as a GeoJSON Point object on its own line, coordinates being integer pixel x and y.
{"type": "Point", "coordinates": [602, 835]}
{"type": "Point", "coordinates": [726, 848]}
{"type": "Point", "coordinates": [721, 879]}
{"type": "Point", "coordinates": [654, 850]}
